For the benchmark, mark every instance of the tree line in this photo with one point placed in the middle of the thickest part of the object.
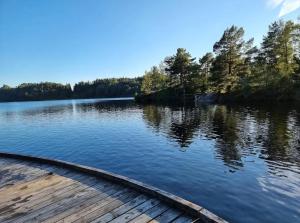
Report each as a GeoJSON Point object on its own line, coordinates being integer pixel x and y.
{"type": "Point", "coordinates": [35, 91]}
{"type": "Point", "coordinates": [111, 87]}
{"type": "Point", "coordinates": [235, 67]}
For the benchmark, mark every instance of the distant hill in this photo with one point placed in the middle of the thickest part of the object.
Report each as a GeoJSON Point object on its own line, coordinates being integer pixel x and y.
{"type": "Point", "coordinates": [100, 88]}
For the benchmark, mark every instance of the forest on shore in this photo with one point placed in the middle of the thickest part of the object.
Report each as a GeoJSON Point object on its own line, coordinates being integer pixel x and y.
{"type": "Point", "coordinates": [100, 88]}
{"type": "Point", "coordinates": [235, 70]}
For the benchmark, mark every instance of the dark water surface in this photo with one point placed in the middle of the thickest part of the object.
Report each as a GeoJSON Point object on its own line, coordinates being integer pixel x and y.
{"type": "Point", "coordinates": [241, 162]}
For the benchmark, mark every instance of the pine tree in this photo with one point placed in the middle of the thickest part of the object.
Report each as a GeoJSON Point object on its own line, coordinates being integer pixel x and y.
{"type": "Point", "coordinates": [285, 51]}
{"type": "Point", "coordinates": [202, 73]}
{"type": "Point", "coordinates": [277, 60]}
{"type": "Point", "coordinates": [232, 60]}
{"type": "Point", "coordinates": [180, 67]}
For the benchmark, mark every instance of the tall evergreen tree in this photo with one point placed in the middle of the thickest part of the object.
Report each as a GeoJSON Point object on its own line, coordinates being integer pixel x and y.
{"type": "Point", "coordinates": [232, 57]}
{"type": "Point", "coordinates": [205, 64]}
{"type": "Point", "coordinates": [277, 60]}
{"type": "Point", "coordinates": [203, 73]}
{"type": "Point", "coordinates": [285, 51]}
{"type": "Point", "coordinates": [180, 67]}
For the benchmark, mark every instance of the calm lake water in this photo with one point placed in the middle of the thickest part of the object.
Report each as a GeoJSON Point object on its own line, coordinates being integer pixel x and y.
{"type": "Point", "coordinates": [240, 162]}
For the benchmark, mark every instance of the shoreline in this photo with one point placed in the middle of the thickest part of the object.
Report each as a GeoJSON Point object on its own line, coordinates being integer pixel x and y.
{"type": "Point", "coordinates": [66, 99]}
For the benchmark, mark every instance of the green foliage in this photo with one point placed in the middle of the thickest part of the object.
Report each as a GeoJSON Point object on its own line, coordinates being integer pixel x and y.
{"type": "Point", "coordinates": [180, 67]}
{"type": "Point", "coordinates": [232, 63]}
{"type": "Point", "coordinates": [202, 72]}
{"type": "Point", "coordinates": [113, 87]}
{"type": "Point", "coordinates": [154, 80]}
{"type": "Point", "coordinates": [278, 55]}
{"type": "Point", "coordinates": [110, 87]}
{"type": "Point", "coordinates": [285, 50]}
{"type": "Point", "coordinates": [238, 69]}
{"type": "Point", "coordinates": [41, 91]}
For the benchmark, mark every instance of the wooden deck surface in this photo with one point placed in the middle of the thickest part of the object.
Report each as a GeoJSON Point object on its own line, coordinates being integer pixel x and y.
{"type": "Point", "coordinates": [35, 192]}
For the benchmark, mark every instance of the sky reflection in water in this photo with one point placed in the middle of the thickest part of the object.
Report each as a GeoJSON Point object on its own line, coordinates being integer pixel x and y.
{"type": "Point", "coordinates": [241, 162]}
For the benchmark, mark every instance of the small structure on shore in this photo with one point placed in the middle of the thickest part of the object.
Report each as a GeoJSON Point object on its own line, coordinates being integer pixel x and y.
{"type": "Point", "coordinates": [205, 98]}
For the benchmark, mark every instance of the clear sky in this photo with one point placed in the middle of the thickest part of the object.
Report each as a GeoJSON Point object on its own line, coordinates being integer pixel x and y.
{"type": "Point", "coordinates": [72, 40]}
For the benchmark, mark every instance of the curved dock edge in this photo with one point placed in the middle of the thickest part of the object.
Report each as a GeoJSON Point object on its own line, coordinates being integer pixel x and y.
{"type": "Point", "coordinates": [173, 200]}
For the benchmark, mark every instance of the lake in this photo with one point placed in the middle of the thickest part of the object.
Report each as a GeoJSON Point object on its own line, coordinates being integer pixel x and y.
{"type": "Point", "coordinates": [240, 162]}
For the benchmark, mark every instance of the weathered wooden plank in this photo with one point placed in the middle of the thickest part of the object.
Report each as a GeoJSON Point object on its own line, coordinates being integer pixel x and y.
{"type": "Point", "coordinates": [62, 210]}
{"type": "Point", "coordinates": [122, 209]}
{"type": "Point", "coordinates": [39, 203]}
{"type": "Point", "coordinates": [66, 173]}
{"type": "Point", "coordinates": [167, 216]}
{"type": "Point", "coordinates": [25, 213]}
{"type": "Point", "coordinates": [86, 194]}
{"type": "Point", "coordinates": [28, 187]}
{"type": "Point", "coordinates": [52, 201]}
{"type": "Point", "coordinates": [36, 196]}
{"type": "Point", "coordinates": [44, 197]}
{"type": "Point", "coordinates": [101, 200]}
{"type": "Point", "coordinates": [6, 162]}
{"type": "Point", "coordinates": [101, 208]}
{"type": "Point", "coordinates": [14, 175]}
{"type": "Point", "coordinates": [138, 210]}
{"type": "Point", "coordinates": [26, 173]}
{"type": "Point", "coordinates": [62, 205]}
{"type": "Point", "coordinates": [150, 214]}
{"type": "Point", "coordinates": [53, 169]}
{"type": "Point", "coordinates": [185, 205]}
{"type": "Point", "coordinates": [26, 165]}
{"type": "Point", "coordinates": [13, 166]}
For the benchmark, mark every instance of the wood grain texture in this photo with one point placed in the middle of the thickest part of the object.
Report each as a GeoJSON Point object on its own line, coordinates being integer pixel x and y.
{"type": "Point", "coordinates": [34, 189]}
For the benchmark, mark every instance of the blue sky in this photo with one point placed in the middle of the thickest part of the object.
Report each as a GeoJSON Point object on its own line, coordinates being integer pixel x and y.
{"type": "Point", "coordinates": [68, 41]}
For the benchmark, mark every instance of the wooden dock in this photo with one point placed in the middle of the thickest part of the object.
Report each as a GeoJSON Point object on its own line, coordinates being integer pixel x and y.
{"type": "Point", "coordinates": [34, 189]}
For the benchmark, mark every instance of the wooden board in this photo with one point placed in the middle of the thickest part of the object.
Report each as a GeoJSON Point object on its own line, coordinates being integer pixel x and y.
{"type": "Point", "coordinates": [40, 190]}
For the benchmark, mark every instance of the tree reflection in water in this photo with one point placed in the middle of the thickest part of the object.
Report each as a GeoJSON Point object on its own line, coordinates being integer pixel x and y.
{"type": "Point", "coordinates": [269, 132]}
{"type": "Point", "coordinates": [178, 123]}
